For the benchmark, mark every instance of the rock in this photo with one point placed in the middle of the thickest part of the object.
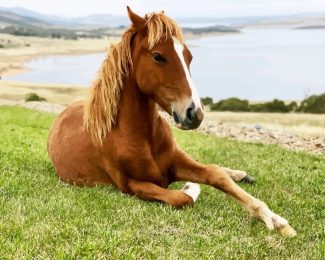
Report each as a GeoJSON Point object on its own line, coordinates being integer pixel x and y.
{"type": "Point", "coordinates": [258, 127]}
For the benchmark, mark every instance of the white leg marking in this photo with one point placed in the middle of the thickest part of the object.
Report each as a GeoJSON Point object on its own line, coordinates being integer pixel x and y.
{"type": "Point", "coordinates": [195, 95]}
{"type": "Point", "coordinates": [272, 220]}
{"type": "Point", "coordinates": [192, 189]}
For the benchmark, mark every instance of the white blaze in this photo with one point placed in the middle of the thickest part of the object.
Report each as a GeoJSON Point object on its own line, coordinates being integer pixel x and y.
{"type": "Point", "coordinates": [195, 95]}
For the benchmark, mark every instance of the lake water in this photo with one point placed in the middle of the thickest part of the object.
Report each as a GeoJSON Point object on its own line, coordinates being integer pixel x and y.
{"type": "Point", "coordinates": [255, 64]}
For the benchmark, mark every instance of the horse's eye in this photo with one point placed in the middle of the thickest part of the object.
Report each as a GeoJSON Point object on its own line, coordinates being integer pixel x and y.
{"type": "Point", "coordinates": [158, 58]}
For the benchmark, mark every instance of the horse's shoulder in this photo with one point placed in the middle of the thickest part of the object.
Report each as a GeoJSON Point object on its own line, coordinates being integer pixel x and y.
{"type": "Point", "coordinates": [72, 112]}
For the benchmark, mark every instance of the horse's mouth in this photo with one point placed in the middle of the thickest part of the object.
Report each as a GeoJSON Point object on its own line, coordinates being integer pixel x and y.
{"type": "Point", "coordinates": [178, 121]}
{"type": "Point", "coordinates": [176, 118]}
{"type": "Point", "coordinates": [185, 124]}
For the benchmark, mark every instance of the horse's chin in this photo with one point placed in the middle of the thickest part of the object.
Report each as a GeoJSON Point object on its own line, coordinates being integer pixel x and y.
{"type": "Point", "coordinates": [183, 127]}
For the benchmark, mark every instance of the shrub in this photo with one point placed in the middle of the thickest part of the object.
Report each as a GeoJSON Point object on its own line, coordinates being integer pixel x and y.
{"type": "Point", "coordinates": [236, 104]}
{"type": "Point", "coordinates": [231, 104]}
{"type": "Point", "coordinates": [293, 106]}
{"type": "Point", "coordinates": [275, 106]}
{"type": "Point", "coordinates": [256, 107]}
{"type": "Point", "coordinates": [314, 104]}
{"type": "Point", "coordinates": [33, 97]}
{"type": "Point", "coordinates": [207, 101]}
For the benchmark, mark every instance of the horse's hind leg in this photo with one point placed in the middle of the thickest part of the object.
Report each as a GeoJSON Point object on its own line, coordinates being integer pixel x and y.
{"type": "Point", "coordinates": [151, 191]}
{"type": "Point", "coordinates": [239, 176]}
{"type": "Point", "coordinates": [187, 169]}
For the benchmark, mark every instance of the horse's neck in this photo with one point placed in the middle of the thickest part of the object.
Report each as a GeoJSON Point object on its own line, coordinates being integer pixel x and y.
{"type": "Point", "coordinates": [137, 112]}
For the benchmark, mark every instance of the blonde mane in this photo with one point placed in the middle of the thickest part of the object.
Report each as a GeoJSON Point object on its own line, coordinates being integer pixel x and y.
{"type": "Point", "coordinates": [102, 106]}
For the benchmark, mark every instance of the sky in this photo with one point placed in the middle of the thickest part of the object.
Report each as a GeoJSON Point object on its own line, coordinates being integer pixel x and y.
{"type": "Point", "coordinates": [177, 8]}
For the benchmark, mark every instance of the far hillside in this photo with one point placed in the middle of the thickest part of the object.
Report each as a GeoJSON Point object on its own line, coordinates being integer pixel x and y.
{"type": "Point", "coordinates": [60, 33]}
{"type": "Point", "coordinates": [9, 18]}
{"type": "Point", "coordinates": [23, 22]}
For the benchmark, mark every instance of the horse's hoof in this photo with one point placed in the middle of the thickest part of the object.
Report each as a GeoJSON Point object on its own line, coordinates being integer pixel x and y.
{"type": "Point", "coordinates": [287, 231]}
{"type": "Point", "coordinates": [248, 179]}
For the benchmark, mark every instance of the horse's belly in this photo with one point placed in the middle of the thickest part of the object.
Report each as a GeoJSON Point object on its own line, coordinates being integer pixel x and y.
{"type": "Point", "coordinates": [72, 152]}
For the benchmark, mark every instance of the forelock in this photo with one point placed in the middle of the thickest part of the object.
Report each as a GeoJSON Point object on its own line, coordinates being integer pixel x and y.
{"type": "Point", "coordinates": [159, 25]}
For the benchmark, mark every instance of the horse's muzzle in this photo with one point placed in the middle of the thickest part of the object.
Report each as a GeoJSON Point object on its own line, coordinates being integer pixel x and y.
{"type": "Point", "coordinates": [192, 120]}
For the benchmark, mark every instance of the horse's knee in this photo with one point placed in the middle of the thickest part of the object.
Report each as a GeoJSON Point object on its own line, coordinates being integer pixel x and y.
{"type": "Point", "coordinates": [218, 178]}
{"type": "Point", "coordinates": [180, 199]}
{"type": "Point", "coordinates": [126, 187]}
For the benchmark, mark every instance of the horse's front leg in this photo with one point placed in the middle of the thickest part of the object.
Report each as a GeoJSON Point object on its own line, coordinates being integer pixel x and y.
{"type": "Point", "coordinates": [147, 190]}
{"type": "Point", "coordinates": [186, 169]}
{"type": "Point", "coordinates": [151, 191]}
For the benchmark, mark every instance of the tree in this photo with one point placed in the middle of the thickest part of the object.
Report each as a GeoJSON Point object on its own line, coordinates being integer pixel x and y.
{"type": "Point", "coordinates": [313, 104]}
{"type": "Point", "coordinates": [275, 106]}
{"type": "Point", "coordinates": [293, 106]}
{"type": "Point", "coordinates": [231, 104]}
{"type": "Point", "coordinates": [207, 101]}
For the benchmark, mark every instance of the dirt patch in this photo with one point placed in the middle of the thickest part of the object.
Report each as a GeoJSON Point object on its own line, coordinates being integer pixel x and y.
{"type": "Point", "coordinates": [259, 134]}
{"type": "Point", "coordinates": [35, 105]}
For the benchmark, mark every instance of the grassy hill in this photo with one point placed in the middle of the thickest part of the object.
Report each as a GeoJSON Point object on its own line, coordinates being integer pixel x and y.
{"type": "Point", "coordinates": [41, 217]}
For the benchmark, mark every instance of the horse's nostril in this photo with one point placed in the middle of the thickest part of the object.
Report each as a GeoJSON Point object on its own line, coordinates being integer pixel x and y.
{"type": "Point", "coordinates": [190, 114]}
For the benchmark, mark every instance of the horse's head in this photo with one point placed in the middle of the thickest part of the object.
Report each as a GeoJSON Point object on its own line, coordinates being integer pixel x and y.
{"type": "Point", "coordinates": [153, 51]}
{"type": "Point", "coordinates": [161, 64]}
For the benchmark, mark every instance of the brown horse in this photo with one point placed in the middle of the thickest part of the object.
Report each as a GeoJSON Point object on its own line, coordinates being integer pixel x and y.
{"type": "Point", "coordinates": [117, 136]}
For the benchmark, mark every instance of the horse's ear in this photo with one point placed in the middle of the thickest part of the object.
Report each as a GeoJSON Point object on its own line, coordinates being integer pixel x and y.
{"type": "Point", "coordinates": [137, 21]}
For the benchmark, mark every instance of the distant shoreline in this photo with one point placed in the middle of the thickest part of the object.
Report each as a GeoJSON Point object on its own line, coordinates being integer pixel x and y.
{"type": "Point", "coordinates": [192, 36]}
{"type": "Point", "coordinates": [13, 60]}
{"type": "Point", "coordinates": [20, 65]}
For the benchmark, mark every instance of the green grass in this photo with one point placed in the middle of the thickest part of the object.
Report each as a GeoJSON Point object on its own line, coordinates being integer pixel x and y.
{"type": "Point", "coordinates": [41, 217]}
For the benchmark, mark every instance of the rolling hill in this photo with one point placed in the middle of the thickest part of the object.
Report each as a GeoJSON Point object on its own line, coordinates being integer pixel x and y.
{"type": "Point", "coordinates": [9, 18]}
{"type": "Point", "coordinates": [95, 20]}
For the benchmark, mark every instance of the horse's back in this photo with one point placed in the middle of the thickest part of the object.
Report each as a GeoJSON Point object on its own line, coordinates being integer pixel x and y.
{"type": "Point", "coordinates": [74, 156]}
